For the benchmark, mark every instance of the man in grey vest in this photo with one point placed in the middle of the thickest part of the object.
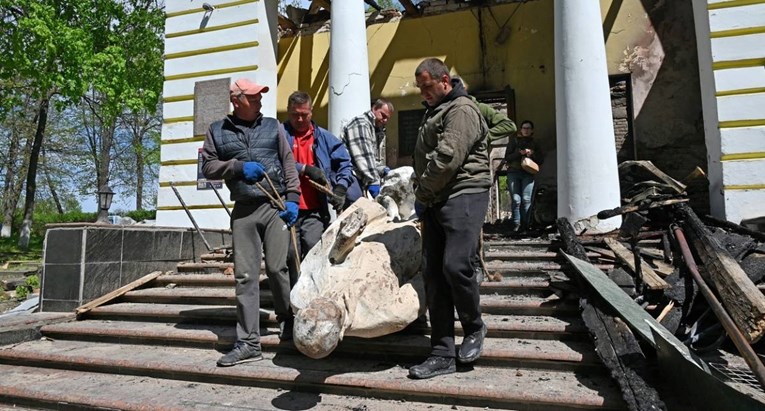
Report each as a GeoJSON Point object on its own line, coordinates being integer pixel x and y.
{"type": "Point", "coordinates": [243, 148]}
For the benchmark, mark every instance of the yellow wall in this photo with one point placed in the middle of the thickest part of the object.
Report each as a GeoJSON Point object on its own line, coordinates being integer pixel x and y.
{"type": "Point", "coordinates": [524, 61]}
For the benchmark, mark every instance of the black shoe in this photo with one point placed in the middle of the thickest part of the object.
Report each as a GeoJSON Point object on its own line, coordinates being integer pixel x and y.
{"type": "Point", "coordinates": [241, 353]}
{"type": "Point", "coordinates": [432, 367]}
{"type": "Point", "coordinates": [471, 346]}
{"type": "Point", "coordinates": [285, 329]}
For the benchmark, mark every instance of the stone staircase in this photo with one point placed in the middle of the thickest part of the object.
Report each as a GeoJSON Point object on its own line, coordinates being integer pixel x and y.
{"type": "Point", "coordinates": [156, 347]}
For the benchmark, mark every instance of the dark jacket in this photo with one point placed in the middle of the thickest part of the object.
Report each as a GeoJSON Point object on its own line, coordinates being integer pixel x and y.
{"type": "Point", "coordinates": [450, 156]}
{"type": "Point", "coordinates": [230, 143]}
{"type": "Point", "coordinates": [512, 155]}
{"type": "Point", "coordinates": [332, 157]}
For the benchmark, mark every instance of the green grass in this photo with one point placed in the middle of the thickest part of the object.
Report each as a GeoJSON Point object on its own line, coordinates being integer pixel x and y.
{"type": "Point", "coordinates": [10, 251]}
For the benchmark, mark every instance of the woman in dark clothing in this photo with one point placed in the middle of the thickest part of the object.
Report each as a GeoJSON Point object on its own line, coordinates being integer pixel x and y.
{"type": "Point", "coordinates": [520, 183]}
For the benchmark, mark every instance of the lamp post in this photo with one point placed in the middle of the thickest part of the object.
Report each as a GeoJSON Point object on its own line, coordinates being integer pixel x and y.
{"type": "Point", "coordinates": [105, 195]}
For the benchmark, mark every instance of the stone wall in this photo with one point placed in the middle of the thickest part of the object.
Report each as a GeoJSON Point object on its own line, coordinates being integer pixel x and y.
{"type": "Point", "coordinates": [84, 262]}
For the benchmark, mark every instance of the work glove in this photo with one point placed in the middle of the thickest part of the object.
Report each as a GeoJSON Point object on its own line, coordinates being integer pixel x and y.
{"type": "Point", "coordinates": [315, 174]}
{"type": "Point", "coordinates": [290, 213]}
{"type": "Point", "coordinates": [419, 209]}
{"type": "Point", "coordinates": [374, 190]}
{"type": "Point", "coordinates": [386, 170]}
{"type": "Point", "coordinates": [337, 199]}
{"type": "Point", "coordinates": [253, 171]}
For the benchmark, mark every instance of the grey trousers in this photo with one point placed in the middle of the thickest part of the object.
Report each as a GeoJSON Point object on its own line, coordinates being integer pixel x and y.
{"type": "Point", "coordinates": [256, 227]}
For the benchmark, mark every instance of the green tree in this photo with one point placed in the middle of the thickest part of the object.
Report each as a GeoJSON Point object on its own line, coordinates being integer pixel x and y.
{"type": "Point", "coordinates": [46, 44]}
{"type": "Point", "coordinates": [127, 76]}
{"type": "Point", "coordinates": [57, 50]}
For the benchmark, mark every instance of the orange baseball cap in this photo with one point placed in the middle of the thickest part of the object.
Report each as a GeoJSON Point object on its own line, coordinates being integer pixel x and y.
{"type": "Point", "coordinates": [247, 87]}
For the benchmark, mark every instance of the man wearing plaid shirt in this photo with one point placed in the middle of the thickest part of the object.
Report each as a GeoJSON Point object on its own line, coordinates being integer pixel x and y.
{"type": "Point", "coordinates": [364, 136]}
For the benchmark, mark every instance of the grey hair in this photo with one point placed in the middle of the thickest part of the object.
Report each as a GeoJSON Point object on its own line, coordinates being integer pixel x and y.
{"type": "Point", "coordinates": [435, 67]}
{"type": "Point", "coordinates": [383, 102]}
{"type": "Point", "coordinates": [299, 97]}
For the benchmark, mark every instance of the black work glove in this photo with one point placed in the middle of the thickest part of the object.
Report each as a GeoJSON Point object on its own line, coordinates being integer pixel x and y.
{"type": "Point", "coordinates": [337, 199]}
{"type": "Point", "coordinates": [315, 174]}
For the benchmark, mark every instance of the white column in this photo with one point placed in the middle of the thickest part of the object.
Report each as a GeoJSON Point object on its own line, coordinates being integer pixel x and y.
{"type": "Point", "coordinates": [348, 63]}
{"type": "Point", "coordinates": [588, 180]}
{"type": "Point", "coordinates": [267, 53]}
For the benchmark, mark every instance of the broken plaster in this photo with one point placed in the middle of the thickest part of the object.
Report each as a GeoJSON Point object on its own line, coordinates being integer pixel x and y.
{"type": "Point", "coordinates": [344, 85]}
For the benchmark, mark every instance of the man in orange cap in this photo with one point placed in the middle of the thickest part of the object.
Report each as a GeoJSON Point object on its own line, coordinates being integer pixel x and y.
{"type": "Point", "coordinates": [242, 149]}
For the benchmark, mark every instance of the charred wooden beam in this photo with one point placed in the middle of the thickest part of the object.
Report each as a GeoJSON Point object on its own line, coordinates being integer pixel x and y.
{"type": "Point", "coordinates": [734, 333]}
{"type": "Point", "coordinates": [615, 344]}
{"type": "Point", "coordinates": [741, 298]}
{"type": "Point", "coordinates": [286, 23]}
{"type": "Point", "coordinates": [410, 8]}
{"type": "Point", "coordinates": [736, 228]}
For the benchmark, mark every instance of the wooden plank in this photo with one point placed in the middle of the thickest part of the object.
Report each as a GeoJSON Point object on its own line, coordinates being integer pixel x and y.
{"type": "Point", "coordinates": [117, 293]}
{"type": "Point", "coordinates": [602, 251]}
{"type": "Point", "coordinates": [738, 294]}
{"type": "Point", "coordinates": [650, 278]}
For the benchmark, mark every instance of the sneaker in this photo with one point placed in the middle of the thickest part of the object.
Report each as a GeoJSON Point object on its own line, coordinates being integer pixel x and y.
{"type": "Point", "coordinates": [432, 367]}
{"type": "Point", "coordinates": [241, 353]}
{"type": "Point", "coordinates": [285, 329]}
{"type": "Point", "coordinates": [471, 346]}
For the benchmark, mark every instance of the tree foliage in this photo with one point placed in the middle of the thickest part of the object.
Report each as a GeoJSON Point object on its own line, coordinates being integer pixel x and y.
{"type": "Point", "coordinates": [99, 56]}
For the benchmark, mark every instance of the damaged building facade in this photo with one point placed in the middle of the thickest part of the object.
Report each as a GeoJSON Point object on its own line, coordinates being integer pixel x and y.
{"type": "Point", "coordinates": [504, 50]}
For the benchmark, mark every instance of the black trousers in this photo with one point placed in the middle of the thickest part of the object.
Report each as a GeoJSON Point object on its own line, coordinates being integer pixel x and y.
{"type": "Point", "coordinates": [450, 233]}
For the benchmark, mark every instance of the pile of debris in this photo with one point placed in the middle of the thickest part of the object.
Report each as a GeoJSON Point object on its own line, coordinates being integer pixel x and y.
{"type": "Point", "coordinates": [691, 292]}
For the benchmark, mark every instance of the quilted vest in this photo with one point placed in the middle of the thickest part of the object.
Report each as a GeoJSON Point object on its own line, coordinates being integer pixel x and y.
{"type": "Point", "coordinates": [257, 143]}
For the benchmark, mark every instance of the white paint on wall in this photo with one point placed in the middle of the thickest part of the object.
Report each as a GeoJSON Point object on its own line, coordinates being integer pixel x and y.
{"type": "Point", "coordinates": [231, 64]}
{"type": "Point", "coordinates": [177, 109]}
{"type": "Point", "coordinates": [740, 78]}
{"type": "Point", "coordinates": [738, 47]}
{"type": "Point", "coordinates": [174, 131]}
{"type": "Point", "coordinates": [717, 204]}
{"type": "Point", "coordinates": [744, 172]}
{"type": "Point", "coordinates": [741, 107]}
{"type": "Point", "coordinates": [743, 140]}
{"type": "Point", "coordinates": [211, 218]}
{"type": "Point", "coordinates": [749, 204]}
{"type": "Point", "coordinates": [737, 17]}
{"type": "Point", "coordinates": [172, 152]}
{"type": "Point", "coordinates": [186, 172]}
{"type": "Point", "coordinates": [214, 61]}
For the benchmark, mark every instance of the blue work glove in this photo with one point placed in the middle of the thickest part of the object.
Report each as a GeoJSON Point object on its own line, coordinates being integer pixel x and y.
{"type": "Point", "coordinates": [374, 190]}
{"type": "Point", "coordinates": [386, 170]}
{"type": "Point", "coordinates": [253, 171]}
{"type": "Point", "coordinates": [419, 209]}
{"type": "Point", "coordinates": [290, 214]}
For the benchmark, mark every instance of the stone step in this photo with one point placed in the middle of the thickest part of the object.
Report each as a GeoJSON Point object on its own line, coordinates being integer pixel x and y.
{"type": "Point", "coordinates": [511, 267]}
{"type": "Point", "coordinates": [68, 389]}
{"type": "Point", "coordinates": [548, 354]}
{"type": "Point", "coordinates": [516, 388]}
{"type": "Point", "coordinates": [500, 326]}
{"type": "Point", "coordinates": [527, 300]}
{"type": "Point", "coordinates": [216, 267]}
{"type": "Point", "coordinates": [504, 255]}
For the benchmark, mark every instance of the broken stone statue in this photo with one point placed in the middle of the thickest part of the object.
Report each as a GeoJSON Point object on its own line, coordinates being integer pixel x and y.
{"type": "Point", "coordinates": [362, 280]}
{"type": "Point", "coordinates": [397, 193]}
